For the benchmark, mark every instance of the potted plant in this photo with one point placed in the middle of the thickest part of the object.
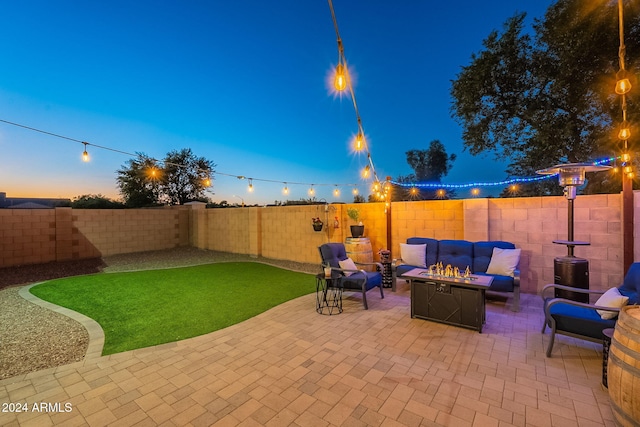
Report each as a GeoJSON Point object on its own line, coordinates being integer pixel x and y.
{"type": "Point", "coordinates": [317, 224]}
{"type": "Point", "coordinates": [356, 230]}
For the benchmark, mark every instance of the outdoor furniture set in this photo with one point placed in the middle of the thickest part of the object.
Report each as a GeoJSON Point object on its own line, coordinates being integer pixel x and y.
{"type": "Point", "coordinates": [496, 259]}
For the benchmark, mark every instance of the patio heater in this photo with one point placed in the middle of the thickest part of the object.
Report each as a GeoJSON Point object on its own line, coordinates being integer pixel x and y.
{"type": "Point", "coordinates": [571, 270]}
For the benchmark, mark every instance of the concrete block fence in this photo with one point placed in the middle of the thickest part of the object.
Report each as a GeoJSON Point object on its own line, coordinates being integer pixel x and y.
{"type": "Point", "coordinates": [32, 236]}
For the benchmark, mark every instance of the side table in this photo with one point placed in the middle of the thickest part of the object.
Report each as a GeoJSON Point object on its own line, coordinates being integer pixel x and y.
{"type": "Point", "coordinates": [328, 294]}
{"type": "Point", "coordinates": [387, 274]}
{"type": "Point", "coordinates": [606, 343]}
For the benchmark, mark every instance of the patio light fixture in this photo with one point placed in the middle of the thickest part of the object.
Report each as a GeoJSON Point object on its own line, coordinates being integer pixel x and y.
{"type": "Point", "coordinates": [85, 154]}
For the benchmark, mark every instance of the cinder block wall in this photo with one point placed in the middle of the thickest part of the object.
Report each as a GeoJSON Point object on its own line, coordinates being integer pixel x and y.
{"type": "Point", "coordinates": [103, 232]}
{"type": "Point", "coordinates": [27, 236]}
{"type": "Point", "coordinates": [38, 236]}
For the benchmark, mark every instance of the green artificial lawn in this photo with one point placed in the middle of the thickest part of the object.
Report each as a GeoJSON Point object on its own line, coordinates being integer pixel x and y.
{"type": "Point", "coordinates": [145, 308]}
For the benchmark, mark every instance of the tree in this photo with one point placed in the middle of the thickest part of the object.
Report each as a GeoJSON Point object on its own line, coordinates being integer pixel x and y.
{"type": "Point", "coordinates": [182, 178]}
{"type": "Point", "coordinates": [429, 166]}
{"type": "Point", "coordinates": [185, 176]}
{"type": "Point", "coordinates": [138, 181]}
{"type": "Point", "coordinates": [546, 98]}
{"type": "Point", "coordinates": [95, 201]}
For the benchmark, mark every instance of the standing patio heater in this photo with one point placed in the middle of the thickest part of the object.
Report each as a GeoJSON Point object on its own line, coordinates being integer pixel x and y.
{"type": "Point", "coordinates": [571, 270]}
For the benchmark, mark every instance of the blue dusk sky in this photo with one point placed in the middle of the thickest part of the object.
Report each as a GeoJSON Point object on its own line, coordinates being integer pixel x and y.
{"type": "Point", "coordinates": [243, 83]}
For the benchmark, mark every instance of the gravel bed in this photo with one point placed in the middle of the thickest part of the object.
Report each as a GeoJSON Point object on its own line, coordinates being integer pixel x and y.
{"type": "Point", "coordinates": [33, 338]}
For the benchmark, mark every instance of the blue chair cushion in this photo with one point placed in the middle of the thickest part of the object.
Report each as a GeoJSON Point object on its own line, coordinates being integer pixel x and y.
{"type": "Point", "coordinates": [482, 252]}
{"type": "Point", "coordinates": [333, 253]}
{"type": "Point", "coordinates": [432, 248]}
{"type": "Point", "coordinates": [631, 284]}
{"type": "Point", "coordinates": [458, 253]}
{"type": "Point", "coordinates": [580, 320]}
{"type": "Point", "coordinates": [355, 280]}
{"type": "Point", "coordinates": [500, 283]}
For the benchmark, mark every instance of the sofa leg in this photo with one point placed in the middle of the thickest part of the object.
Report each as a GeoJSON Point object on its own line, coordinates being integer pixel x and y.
{"type": "Point", "coordinates": [364, 300]}
{"type": "Point", "coordinates": [381, 292]}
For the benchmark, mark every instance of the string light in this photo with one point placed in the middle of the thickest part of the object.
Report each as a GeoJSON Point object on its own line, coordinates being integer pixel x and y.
{"type": "Point", "coordinates": [340, 79]}
{"type": "Point", "coordinates": [355, 191]}
{"type": "Point", "coordinates": [85, 154]}
{"type": "Point", "coordinates": [207, 182]}
{"type": "Point", "coordinates": [285, 190]}
{"type": "Point", "coordinates": [475, 192]}
{"type": "Point", "coordinates": [250, 188]}
{"type": "Point", "coordinates": [336, 192]}
{"type": "Point", "coordinates": [359, 142]}
{"type": "Point", "coordinates": [153, 172]}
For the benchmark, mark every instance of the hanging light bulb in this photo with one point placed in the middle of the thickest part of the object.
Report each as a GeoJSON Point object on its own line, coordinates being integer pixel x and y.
{"type": "Point", "coordinates": [250, 189]}
{"type": "Point", "coordinates": [311, 190]}
{"type": "Point", "coordinates": [624, 133]}
{"type": "Point", "coordinates": [441, 193]}
{"type": "Point", "coordinates": [285, 190]}
{"type": "Point", "coordinates": [355, 191]}
{"type": "Point", "coordinates": [623, 85]}
{"type": "Point", "coordinates": [413, 191]}
{"type": "Point", "coordinates": [365, 172]}
{"type": "Point", "coordinates": [336, 192]}
{"type": "Point", "coordinates": [626, 157]}
{"type": "Point", "coordinates": [85, 154]}
{"type": "Point", "coordinates": [340, 79]}
{"type": "Point", "coordinates": [359, 142]}
{"type": "Point", "coordinates": [628, 170]}
{"type": "Point", "coordinates": [475, 191]}
{"type": "Point", "coordinates": [207, 182]}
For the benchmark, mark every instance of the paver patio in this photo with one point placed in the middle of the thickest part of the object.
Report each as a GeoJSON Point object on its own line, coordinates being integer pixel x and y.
{"type": "Point", "coordinates": [292, 366]}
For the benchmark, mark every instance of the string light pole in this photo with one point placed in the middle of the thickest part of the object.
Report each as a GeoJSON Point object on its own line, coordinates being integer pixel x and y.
{"type": "Point", "coordinates": [623, 86]}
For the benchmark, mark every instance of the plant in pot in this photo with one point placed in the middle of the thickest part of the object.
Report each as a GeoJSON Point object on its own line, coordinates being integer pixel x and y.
{"type": "Point", "coordinates": [317, 224]}
{"type": "Point", "coordinates": [356, 230]}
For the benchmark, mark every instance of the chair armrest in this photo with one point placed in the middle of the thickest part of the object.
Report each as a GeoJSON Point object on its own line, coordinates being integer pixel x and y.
{"type": "Point", "coordinates": [396, 262]}
{"type": "Point", "coordinates": [568, 288]}
{"type": "Point", "coordinates": [377, 264]}
{"type": "Point", "coordinates": [555, 301]}
{"type": "Point", "coordinates": [516, 277]}
{"type": "Point", "coordinates": [344, 270]}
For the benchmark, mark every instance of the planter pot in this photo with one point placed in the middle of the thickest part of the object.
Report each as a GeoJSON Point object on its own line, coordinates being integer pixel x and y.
{"type": "Point", "coordinates": [357, 230]}
{"type": "Point", "coordinates": [317, 227]}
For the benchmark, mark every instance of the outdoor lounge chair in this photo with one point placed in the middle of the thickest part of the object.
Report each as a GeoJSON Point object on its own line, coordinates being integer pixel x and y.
{"type": "Point", "coordinates": [581, 320]}
{"type": "Point", "coordinates": [351, 279]}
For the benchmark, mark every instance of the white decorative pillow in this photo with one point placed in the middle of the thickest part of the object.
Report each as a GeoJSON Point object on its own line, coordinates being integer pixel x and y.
{"type": "Point", "coordinates": [347, 264]}
{"type": "Point", "coordinates": [612, 299]}
{"type": "Point", "coordinates": [504, 261]}
{"type": "Point", "coordinates": [414, 254]}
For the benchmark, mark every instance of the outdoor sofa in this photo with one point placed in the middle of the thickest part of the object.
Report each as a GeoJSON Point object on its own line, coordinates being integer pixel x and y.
{"type": "Point", "coordinates": [462, 253]}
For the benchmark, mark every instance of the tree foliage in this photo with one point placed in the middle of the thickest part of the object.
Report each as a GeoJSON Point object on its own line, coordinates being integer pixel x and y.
{"type": "Point", "coordinates": [181, 177]}
{"type": "Point", "coordinates": [95, 201]}
{"type": "Point", "coordinates": [429, 166]}
{"type": "Point", "coordinates": [546, 97]}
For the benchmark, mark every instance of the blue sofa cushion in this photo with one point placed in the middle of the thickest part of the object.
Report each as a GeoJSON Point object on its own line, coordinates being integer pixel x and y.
{"type": "Point", "coordinates": [458, 253]}
{"type": "Point", "coordinates": [500, 283]}
{"type": "Point", "coordinates": [580, 320]}
{"type": "Point", "coordinates": [432, 248]}
{"type": "Point", "coordinates": [482, 252]}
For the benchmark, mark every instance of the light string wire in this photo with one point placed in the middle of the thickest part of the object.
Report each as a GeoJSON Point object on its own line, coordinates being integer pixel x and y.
{"type": "Point", "coordinates": [102, 147]}
{"type": "Point", "coordinates": [311, 184]}
{"type": "Point", "coordinates": [342, 60]}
